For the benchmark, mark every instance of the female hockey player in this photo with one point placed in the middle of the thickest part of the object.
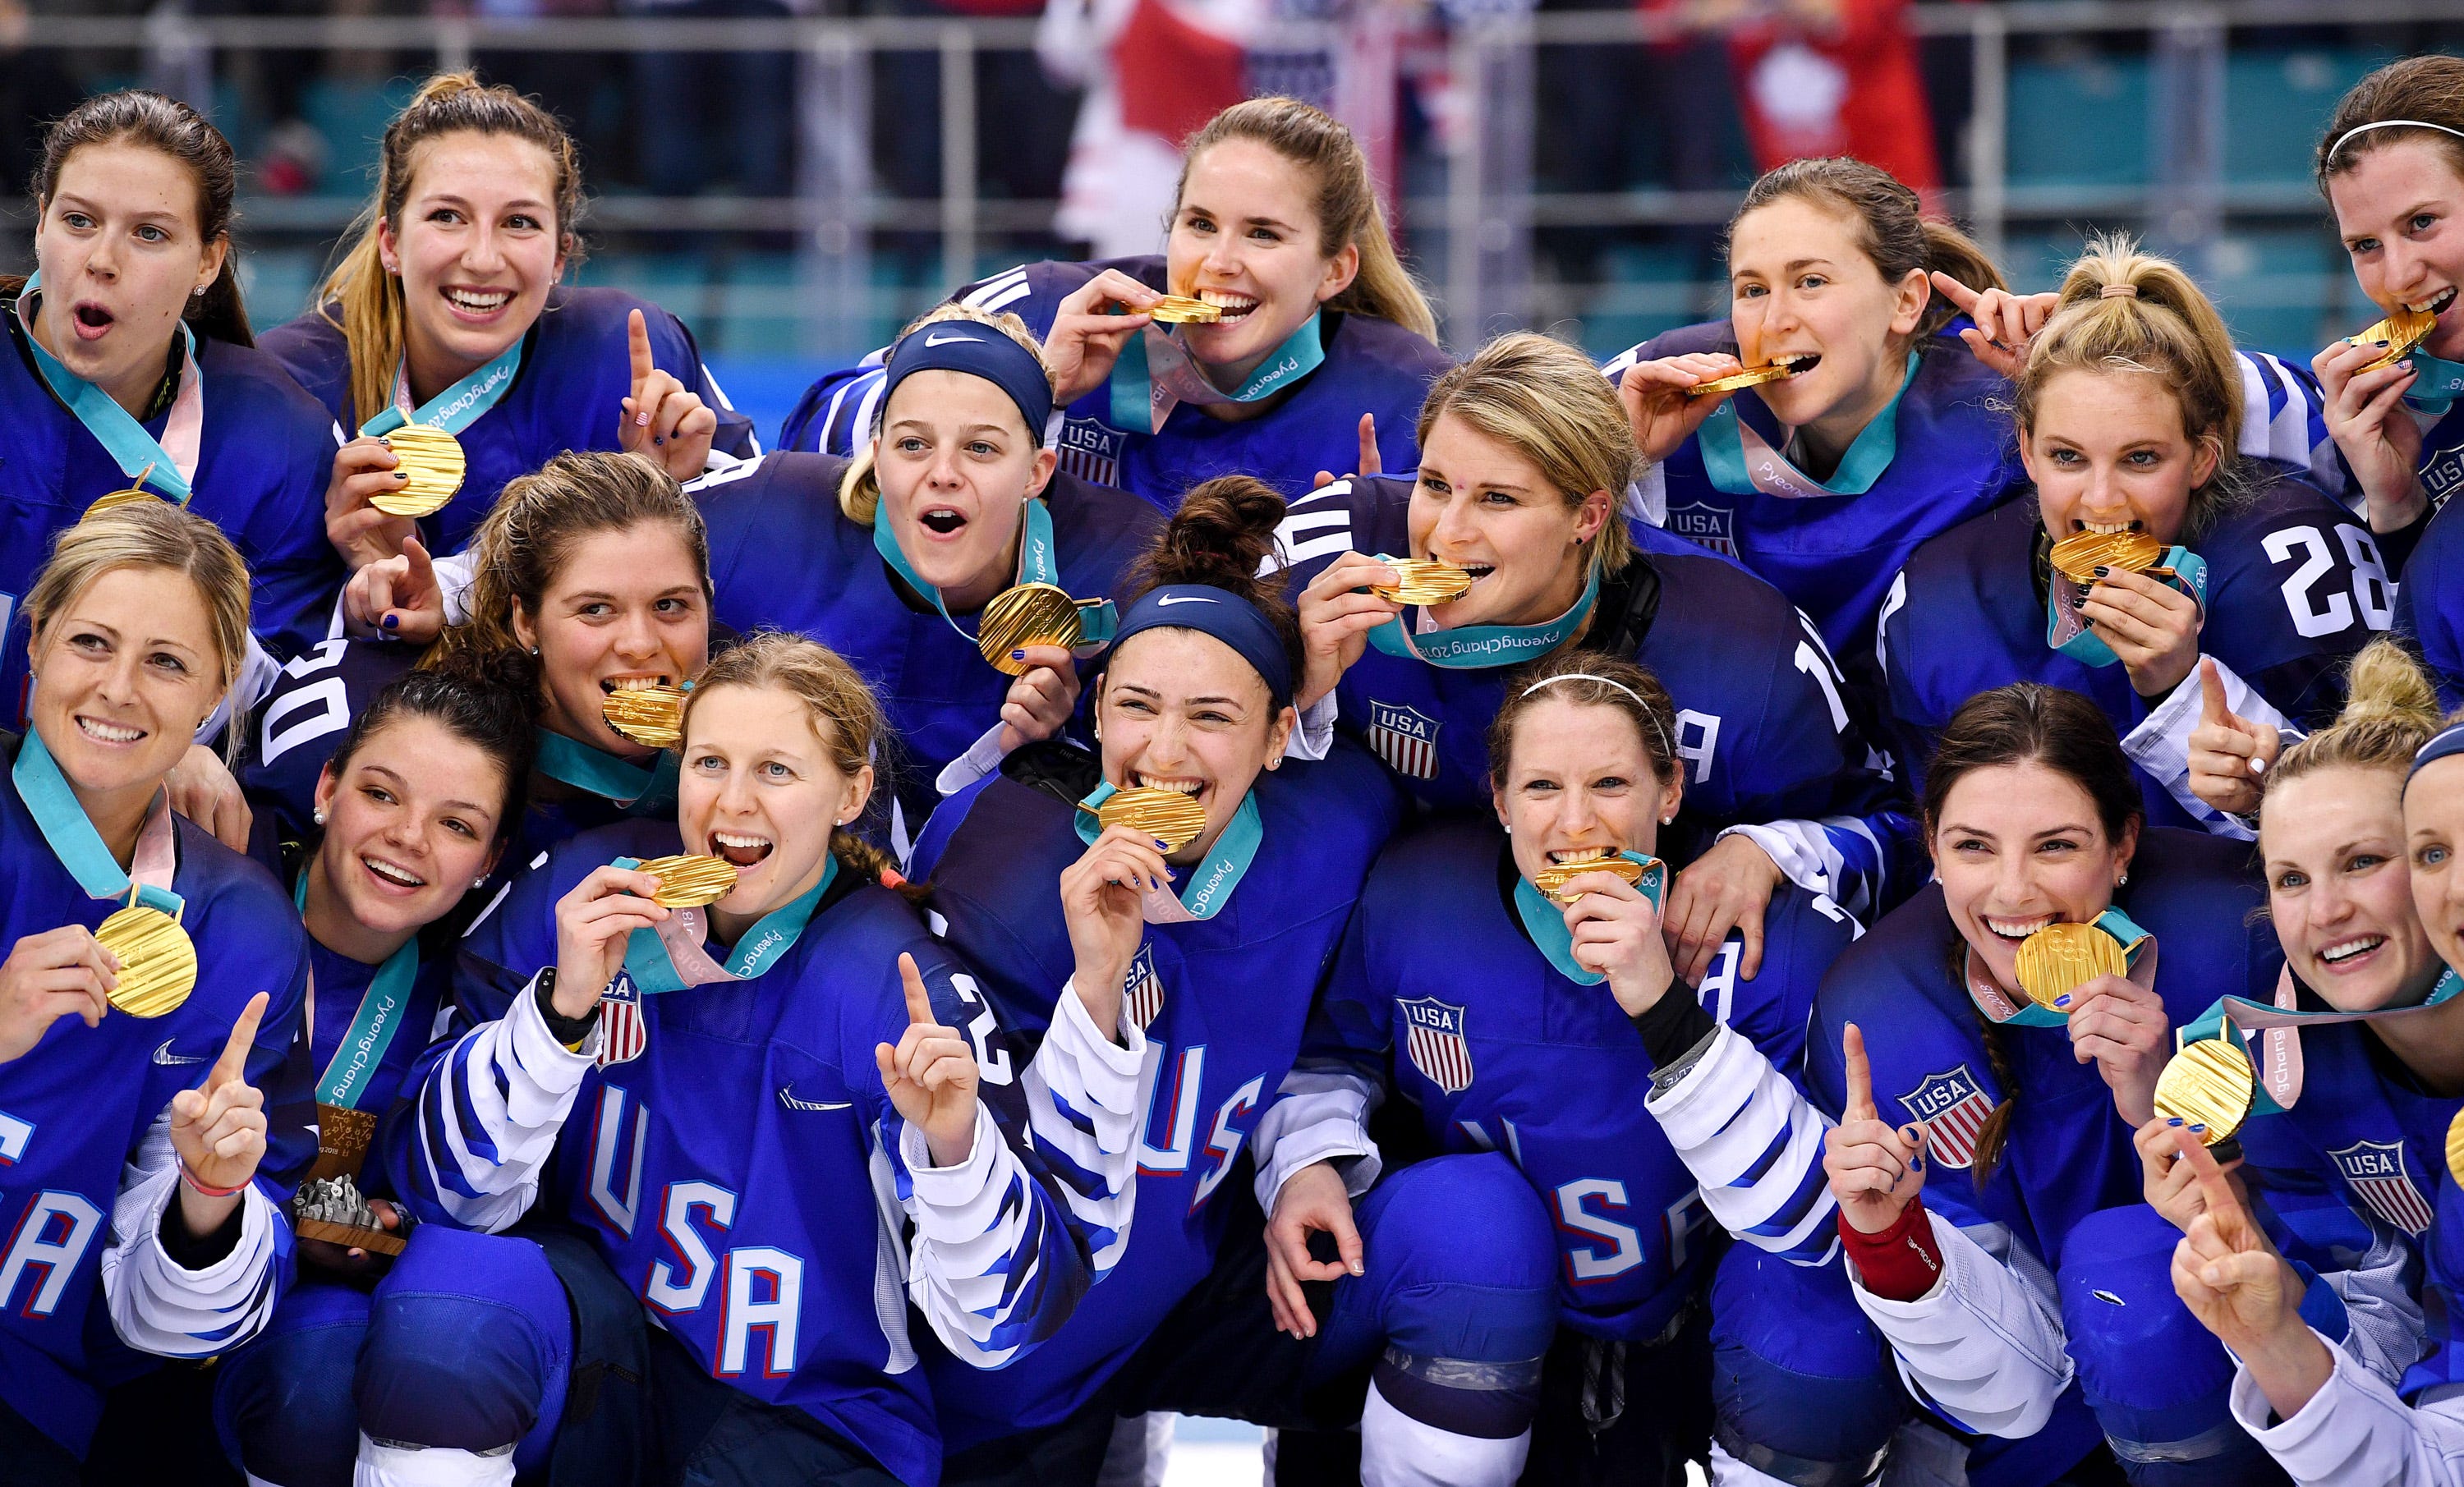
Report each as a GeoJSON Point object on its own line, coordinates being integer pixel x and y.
{"type": "Point", "coordinates": [890, 559]}
{"type": "Point", "coordinates": [759, 1120]}
{"type": "Point", "coordinates": [2129, 410]}
{"type": "Point", "coordinates": [1221, 933]}
{"type": "Point", "coordinates": [145, 1193]}
{"type": "Point", "coordinates": [1318, 347]}
{"type": "Point", "coordinates": [447, 311]}
{"type": "Point", "coordinates": [411, 812]}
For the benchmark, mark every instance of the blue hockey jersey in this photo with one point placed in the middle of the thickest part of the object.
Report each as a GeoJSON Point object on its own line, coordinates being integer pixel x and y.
{"type": "Point", "coordinates": [265, 451]}
{"type": "Point", "coordinates": [1225, 1001]}
{"type": "Point", "coordinates": [1440, 985]}
{"type": "Point", "coordinates": [76, 1107]}
{"type": "Point", "coordinates": [576, 372]}
{"type": "Point", "coordinates": [1763, 723]}
{"type": "Point", "coordinates": [2295, 587]}
{"type": "Point", "coordinates": [735, 1155]}
{"type": "Point", "coordinates": [1371, 366]}
{"type": "Point", "coordinates": [2429, 605]}
{"type": "Point", "coordinates": [783, 556]}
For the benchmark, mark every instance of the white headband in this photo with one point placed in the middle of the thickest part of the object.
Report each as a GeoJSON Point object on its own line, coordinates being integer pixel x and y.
{"type": "Point", "coordinates": [2337, 148]}
{"type": "Point", "coordinates": [1667, 750]}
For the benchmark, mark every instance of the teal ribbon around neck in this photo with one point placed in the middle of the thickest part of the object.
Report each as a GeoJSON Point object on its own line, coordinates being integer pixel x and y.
{"type": "Point", "coordinates": [2135, 943]}
{"type": "Point", "coordinates": [1039, 561]}
{"type": "Point", "coordinates": [73, 838]}
{"type": "Point", "coordinates": [371, 1033]}
{"type": "Point", "coordinates": [1137, 408]}
{"type": "Point", "coordinates": [1206, 887]}
{"type": "Point", "coordinates": [643, 790]}
{"type": "Point", "coordinates": [137, 452]}
{"type": "Point", "coordinates": [1543, 918]}
{"type": "Point", "coordinates": [458, 406]}
{"type": "Point", "coordinates": [2436, 385]}
{"type": "Point", "coordinates": [653, 970]}
{"type": "Point", "coordinates": [2066, 628]}
{"type": "Point", "coordinates": [2240, 1011]}
{"type": "Point", "coordinates": [1722, 441]}
{"type": "Point", "coordinates": [1477, 646]}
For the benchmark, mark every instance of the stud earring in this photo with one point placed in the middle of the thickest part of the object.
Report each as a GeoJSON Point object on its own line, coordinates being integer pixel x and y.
{"type": "Point", "coordinates": [319, 815]}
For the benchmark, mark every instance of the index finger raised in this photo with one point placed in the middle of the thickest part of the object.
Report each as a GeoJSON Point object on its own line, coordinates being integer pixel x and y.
{"type": "Point", "coordinates": [2213, 1186]}
{"type": "Point", "coordinates": [1957, 292]}
{"type": "Point", "coordinates": [637, 343]}
{"type": "Point", "coordinates": [2213, 706]}
{"type": "Point", "coordinates": [234, 1062]}
{"type": "Point", "coordinates": [919, 1002]}
{"type": "Point", "coordinates": [1861, 1075]}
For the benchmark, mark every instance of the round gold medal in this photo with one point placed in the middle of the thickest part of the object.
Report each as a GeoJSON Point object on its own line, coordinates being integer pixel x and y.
{"type": "Point", "coordinates": [2210, 1084]}
{"type": "Point", "coordinates": [433, 459]}
{"type": "Point", "coordinates": [158, 962]}
{"type": "Point", "coordinates": [1183, 309]}
{"type": "Point", "coordinates": [1426, 580]}
{"type": "Point", "coordinates": [1028, 614]}
{"type": "Point", "coordinates": [651, 716]}
{"type": "Point", "coordinates": [1168, 815]}
{"type": "Point", "coordinates": [2060, 958]}
{"type": "Point", "coordinates": [689, 880]}
{"type": "Point", "coordinates": [1750, 377]}
{"type": "Point", "coordinates": [118, 498]}
{"type": "Point", "coordinates": [2079, 556]}
{"type": "Point", "coordinates": [1553, 879]}
{"type": "Point", "coordinates": [2400, 333]}
{"type": "Point", "coordinates": [2456, 1147]}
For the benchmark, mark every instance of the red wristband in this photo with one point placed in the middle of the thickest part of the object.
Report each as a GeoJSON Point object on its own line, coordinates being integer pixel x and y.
{"type": "Point", "coordinates": [1900, 1263]}
{"type": "Point", "coordinates": [190, 1178]}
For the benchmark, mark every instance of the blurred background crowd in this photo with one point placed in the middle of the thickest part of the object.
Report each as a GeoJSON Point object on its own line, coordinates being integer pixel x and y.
{"type": "Point", "coordinates": [797, 177]}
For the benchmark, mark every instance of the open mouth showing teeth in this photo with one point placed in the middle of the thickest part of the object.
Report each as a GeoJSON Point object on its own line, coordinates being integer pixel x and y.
{"type": "Point", "coordinates": [479, 301]}
{"type": "Point", "coordinates": [1580, 854]}
{"type": "Point", "coordinates": [1478, 570]}
{"type": "Point", "coordinates": [613, 685]}
{"type": "Point", "coordinates": [1797, 363]}
{"type": "Point", "coordinates": [391, 873]}
{"type": "Point", "coordinates": [2017, 929]}
{"type": "Point", "coordinates": [1192, 788]}
{"type": "Point", "coordinates": [2435, 305]}
{"type": "Point", "coordinates": [738, 849]}
{"type": "Point", "coordinates": [941, 520]}
{"type": "Point", "coordinates": [108, 732]}
{"type": "Point", "coordinates": [1234, 306]}
{"type": "Point", "coordinates": [2107, 528]}
{"type": "Point", "coordinates": [2337, 954]}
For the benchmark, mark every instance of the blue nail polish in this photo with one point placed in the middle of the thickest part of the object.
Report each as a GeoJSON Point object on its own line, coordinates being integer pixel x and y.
{"type": "Point", "coordinates": [391, 622]}
{"type": "Point", "coordinates": [2101, 573]}
{"type": "Point", "coordinates": [2063, 1000]}
{"type": "Point", "coordinates": [1018, 655]}
{"type": "Point", "coordinates": [1916, 1163]}
{"type": "Point", "coordinates": [1161, 846]}
{"type": "Point", "coordinates": [2198, 1130]}
{"type": "Point", "coordinates": [658, 438]}
{"type": "Point", "coordinates": [2172, 1119]}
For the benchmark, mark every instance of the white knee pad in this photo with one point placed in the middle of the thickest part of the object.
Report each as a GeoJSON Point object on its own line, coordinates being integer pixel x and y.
{"type": "Point", "coordinates": [432, 1466]}
{"type": "Point", "coordinates": [1398, 1450]}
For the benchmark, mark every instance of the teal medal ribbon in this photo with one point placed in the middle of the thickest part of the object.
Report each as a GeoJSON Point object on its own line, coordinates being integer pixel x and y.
{"type": "Point", "coordinates": [2279, 1030]}
{"type": "Point", "coordinates": [80, 848]}
{"type": "Point", "coordinates": [669, 957]}
{"type": "Point", "coordinates": [2436, 384]}
{"type": "Point", "coordinates": [1476, 646]}
{"type": "Point", "coordinates": [372, 1029]}
{"type": "Point", "coordinates": [1207, 887]}
{"type": "Point", "coordinates": [642, 790]}
{"type": "Point", "coordinates": [2066, 629]}
{"type": "Point", "coordinates": [1156, 374]}
{"type": "Point", "coordinates": [1039, 561]}
{"type": "Point", "coordinates": [1543, 918]}
{"type": "Point", "coordinates": [1741, 462]}
{"type": "Point", "coordinates": [458, 406]}
{"type": "Point", "coordinates": [2137, 951]}
{"type": "Point", "coordinates": [140, 455]}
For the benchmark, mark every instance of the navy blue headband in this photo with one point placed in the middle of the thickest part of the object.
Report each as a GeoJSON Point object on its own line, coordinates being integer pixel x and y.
{"type": "Point", "coordinates": [2449, 740]}
{"type": "Point", "coordinates": [977, 350]}
{"type": "Point", "coordinates": [1218, 612]}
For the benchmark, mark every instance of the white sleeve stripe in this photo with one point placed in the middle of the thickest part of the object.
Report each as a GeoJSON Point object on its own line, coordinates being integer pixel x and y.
{"type": "Point", "coordinates": [1986, 1343]}
{"type": "Point", "coordinates": [158, 1307]}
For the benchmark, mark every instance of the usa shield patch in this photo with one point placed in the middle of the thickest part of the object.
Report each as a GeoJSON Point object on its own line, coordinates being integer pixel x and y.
{"type": "Point", "coordinates": [2375, 1168]}
{"type": "Point", "coordinates": [1142, 990]}
{"type": "Point", "coordinates": [1433, 1035]}
{"type": "Point", "coordinates": [1954, 1108]}
{"type": "Point", "coordinates": [1090, 451]}
{"type": "Point", "coordinates": [1406, 740]}
{"type": "Point", "coordinates": [623, 1035]}
{"type": "Point", "coordinates": [1714, 527]}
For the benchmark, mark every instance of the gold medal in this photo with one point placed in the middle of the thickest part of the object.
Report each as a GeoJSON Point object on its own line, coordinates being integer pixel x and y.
{"type": "Point", "coordinates": [1426, 580]}
{"type": "Point", "coordinates": [1553, 879]}
{"type": "Point", "coordinates": [2456, 1147]}
{"type": "Point", "coordinates": [652, 716]}
{"type": "Point", "coordinates": [158, 963]}
{"type": "Point", "coordinates": [2400, 333]}
{"type": "Point", "coordinates": [2079, 556]}
{"type": "Point", "coordinates": [689, 880]}
{"type": "Point", "coordinates": [1028, 614]}
{"type": "Point", "coordinates": [1183, 310]}
{"type": "Point", "coordinates": [2060, 958]}
{"type": "Point", "coordinates": [1168, 815]}
{"type": "Point", "coordinates": [1750, 377]}
{"type": "Point", "coordinates": [2210, 1083]}
{"type": "Point", "coordinates": [433, 459]}
{"type": "Point", "coordinates": [128, 498]}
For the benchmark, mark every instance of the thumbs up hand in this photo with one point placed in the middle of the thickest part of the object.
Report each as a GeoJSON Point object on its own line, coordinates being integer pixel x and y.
{"type": "Point", "coordinates": [661, 419]}
{"type": "Point", "coordinates": [2228, 754]}
{"type": "Point", "coordinates": [1876, 1169]}
{"type": "Point", "coordinates": [931, 1075]}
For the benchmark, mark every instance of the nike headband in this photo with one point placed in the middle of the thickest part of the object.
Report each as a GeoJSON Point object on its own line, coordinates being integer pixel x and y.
{"type": "Point", "coordinates": [977, 350]}
{"type": "Point", "coordinates": [2449, 740]}
{"type": "Point", "coordinates": [1218, 612]}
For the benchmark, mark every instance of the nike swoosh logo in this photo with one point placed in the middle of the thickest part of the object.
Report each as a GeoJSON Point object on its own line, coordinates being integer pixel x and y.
{"type": "Point", "coordinates": [931, 339]}
{"type": "Point", "coordinates": [1183, 598]}
{"type": "Point", "coordinates": [787, 1099]}
{"type": "Point", "coordinates": [164, 1055]}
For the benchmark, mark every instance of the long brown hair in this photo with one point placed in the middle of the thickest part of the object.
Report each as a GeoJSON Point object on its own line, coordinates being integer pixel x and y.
{"type": "Point", "coordinates": [1589, 679]}
{"type": "Point", "coordinates": [1891, 227]}
{"type": "Point", "coordinates": [369, 298]}
{"type": "Point", "coordinates": [169, 127]}
{"type": "Point", "coordinates": [1347, 206]}
{"type": "Point", "coordinates": [2028, 723]}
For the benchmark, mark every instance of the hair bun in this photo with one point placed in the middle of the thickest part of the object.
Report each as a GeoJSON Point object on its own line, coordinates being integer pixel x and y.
{"type": "Point", "coordinates": [1223, 534]}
